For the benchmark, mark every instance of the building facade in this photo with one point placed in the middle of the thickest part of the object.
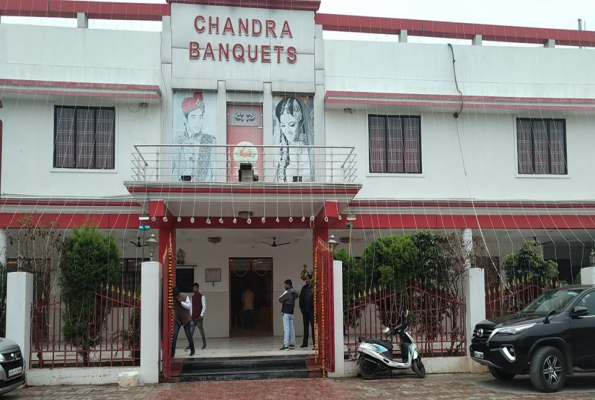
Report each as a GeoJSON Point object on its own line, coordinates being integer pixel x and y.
{"type": "Point", "coordinates": [107, 126]}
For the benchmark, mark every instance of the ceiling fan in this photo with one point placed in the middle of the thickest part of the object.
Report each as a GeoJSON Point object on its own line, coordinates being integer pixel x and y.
{"type": "Point", "coordinates": [275, 244]}
{"type": "Point", "coordinates": [539, 243]}
{"type": "Point", "coordinates": [138, 243]}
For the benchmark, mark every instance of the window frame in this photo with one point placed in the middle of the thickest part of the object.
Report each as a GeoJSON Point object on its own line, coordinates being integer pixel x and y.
{"type": "Point", "coordinates": [549, 163]}
{"type": "Point", "coordinates": [95, 109]}
{"type": "Point", "coordinates": [386, 158]}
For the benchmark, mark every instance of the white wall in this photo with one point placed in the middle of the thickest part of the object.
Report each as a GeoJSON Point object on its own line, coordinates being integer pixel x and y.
{"type": "Point", "coordinates": [288, 262]}
{"type": "Point", "coordinates": [487, 148]}
{"type": "Point", "coordinates": [28, 150]}
{"type": "Point", "coordinates": [79, 55]}
{"type": "Point", "coordinates": [481, 70]}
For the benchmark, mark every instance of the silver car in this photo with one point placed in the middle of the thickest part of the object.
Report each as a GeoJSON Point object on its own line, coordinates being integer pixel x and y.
{"type": "Point", "coordinates": [12, 373]}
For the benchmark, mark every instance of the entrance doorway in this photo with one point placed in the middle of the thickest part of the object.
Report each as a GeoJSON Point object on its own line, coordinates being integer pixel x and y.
{"type": "Point", "coordinates": [255, 275]}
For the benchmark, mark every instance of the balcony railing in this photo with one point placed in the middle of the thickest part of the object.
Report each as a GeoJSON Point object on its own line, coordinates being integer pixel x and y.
{"type": "Point", "coordinates": [222, 163]}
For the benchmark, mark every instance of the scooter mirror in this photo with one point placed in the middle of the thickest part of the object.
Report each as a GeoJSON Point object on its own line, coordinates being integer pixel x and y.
{"type": "Point", "coordinates": [386, 330]}
{"type": "Point", "coordinates": [406, 313]}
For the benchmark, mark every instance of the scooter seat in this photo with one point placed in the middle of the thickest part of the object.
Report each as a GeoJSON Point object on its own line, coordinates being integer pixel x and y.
{"type": "Point", "coordinates": [384, 343]}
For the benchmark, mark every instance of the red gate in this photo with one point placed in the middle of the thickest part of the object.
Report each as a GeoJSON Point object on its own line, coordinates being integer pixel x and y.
{"type": "Point", "coordinates": [167, 305]}
{"type": "Point", "coordinates": [324, 307]}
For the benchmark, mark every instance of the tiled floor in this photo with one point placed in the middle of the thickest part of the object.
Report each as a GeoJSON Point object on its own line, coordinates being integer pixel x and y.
{"type": "Point", "coordinates": [240, 347]}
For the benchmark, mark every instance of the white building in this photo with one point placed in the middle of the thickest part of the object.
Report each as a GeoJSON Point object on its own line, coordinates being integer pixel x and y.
{"type": "Point", "coordinates": [93, 126]}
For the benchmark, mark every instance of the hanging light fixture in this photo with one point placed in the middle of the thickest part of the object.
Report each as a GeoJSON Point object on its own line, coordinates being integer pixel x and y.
{"type": "Point", "coordinates": [332, 242]}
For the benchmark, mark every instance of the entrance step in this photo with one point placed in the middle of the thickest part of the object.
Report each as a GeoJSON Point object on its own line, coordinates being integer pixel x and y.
{"type": "Point", "coordinates": [248, 368]}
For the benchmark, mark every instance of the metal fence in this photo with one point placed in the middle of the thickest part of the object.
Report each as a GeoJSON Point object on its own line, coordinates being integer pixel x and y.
{"type": "Point", "coordinates": [109, 337]}
{"type": "Point", "coordinates": [221, 163]}
{"type": "Point", "coordinates": [436, 316]}
{"type": "Point", "coordinates": [514, 297]}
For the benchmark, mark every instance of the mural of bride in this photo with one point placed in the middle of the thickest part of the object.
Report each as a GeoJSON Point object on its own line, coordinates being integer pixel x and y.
{"type": "Point", "coordinates": [293, 130]}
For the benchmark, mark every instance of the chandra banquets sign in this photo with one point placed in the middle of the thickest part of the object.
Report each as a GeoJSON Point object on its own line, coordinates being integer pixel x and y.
{"type": "Point", "coordinates": [215, 40]}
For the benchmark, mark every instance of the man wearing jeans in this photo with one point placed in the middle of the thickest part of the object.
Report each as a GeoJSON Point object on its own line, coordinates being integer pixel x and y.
{"type": "Point", "coordinates": [199, 306]}
{"type": "Point", "coordinates": [287, 300]}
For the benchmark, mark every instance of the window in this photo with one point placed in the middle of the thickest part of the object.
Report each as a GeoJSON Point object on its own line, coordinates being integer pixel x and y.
{"type": "Point", "coordinates": [541, 146]}
{"type": "Point", "coordinates": [84, 137]}
{"type": "Point", "coordinates": [395, 144]}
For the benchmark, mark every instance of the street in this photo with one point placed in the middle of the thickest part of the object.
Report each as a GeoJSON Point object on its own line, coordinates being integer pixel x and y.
{"type": "Point", "coordinates": [461, 386]}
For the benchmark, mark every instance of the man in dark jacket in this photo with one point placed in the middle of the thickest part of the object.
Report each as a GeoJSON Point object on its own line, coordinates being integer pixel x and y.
{"type": "Point", "coordinates": [182, 318]}
{"type": "Point", "coordinates": [287, 300]}
{"type": "Point", "coordinates": [307, 307]}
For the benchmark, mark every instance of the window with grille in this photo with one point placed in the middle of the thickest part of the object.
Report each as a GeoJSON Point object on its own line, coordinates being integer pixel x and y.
{"type": "Point", "coordinates": [84, 137]}
{"type": "Point", "coordinates": [541, 145]}
{"type": "Point", "coordinates": [395, 144]}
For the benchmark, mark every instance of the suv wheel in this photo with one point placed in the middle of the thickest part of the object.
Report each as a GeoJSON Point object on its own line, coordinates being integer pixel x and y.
{"type": "Point", "coordinates": [500, 374]}
{"type": "Point", "coordinates": [548, 372]}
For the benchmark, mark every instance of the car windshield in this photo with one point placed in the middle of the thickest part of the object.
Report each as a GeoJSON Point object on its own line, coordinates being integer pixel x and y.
{"type": "Point", "coordinates": [553, 300]}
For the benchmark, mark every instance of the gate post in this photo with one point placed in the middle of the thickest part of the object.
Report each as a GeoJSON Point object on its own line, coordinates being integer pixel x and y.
{"type": "Point", "coordinates": [18, 311]}
{"type": "Point", "coordinates": [338, 320]}
{"type": "Point", "coordinates": [150, 317]}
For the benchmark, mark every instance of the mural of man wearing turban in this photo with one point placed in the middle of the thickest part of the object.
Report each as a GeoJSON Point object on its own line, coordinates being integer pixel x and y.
{"type": "Point", "coordinates": [196, 162]}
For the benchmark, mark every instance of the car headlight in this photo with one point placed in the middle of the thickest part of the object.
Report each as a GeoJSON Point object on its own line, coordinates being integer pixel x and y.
{"type": "Point", "coordinates": [513, 330]}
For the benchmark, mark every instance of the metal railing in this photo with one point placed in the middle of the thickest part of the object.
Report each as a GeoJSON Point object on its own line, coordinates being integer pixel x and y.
{"type": "Point", "coordinates": [221, 163]}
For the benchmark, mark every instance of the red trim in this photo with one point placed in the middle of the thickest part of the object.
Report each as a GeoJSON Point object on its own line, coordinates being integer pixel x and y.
{"type": "Point", "coordinates": [303, 190]}
{"type": "Point", "coordinates": [68, 221]}
{"type": "Point", "coordinates": [376, 221]}
{"type": "Point", "coordinates": [102, 95]}
{"type": "Point", "coordinates": [329, 22]}
{"type": "Point", "coordinates": [467, 204]}
{"type": "Point", "coordinates": [458, 105]}
{"type": "Point", "coordinates": [454, 30]}
{"type": "Point", "coordinates": [299, 5]}
{"type": "Point", "coordinates": [446, 97]}
{"type": "Point", "coordinates": [66, 203]}
{"type": "Point", "coordinates": [94, 10]}
{"type": "Point", "coordinates": [79, 85]}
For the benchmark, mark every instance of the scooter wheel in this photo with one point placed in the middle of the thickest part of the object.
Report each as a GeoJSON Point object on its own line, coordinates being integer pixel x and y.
{"type": "Point", "coordinates": [418, 368]}
{"type": "Point", "coordinates": [368, 370]}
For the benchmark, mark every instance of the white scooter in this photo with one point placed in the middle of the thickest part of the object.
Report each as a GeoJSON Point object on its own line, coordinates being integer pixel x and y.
{"type": "Point", "coordinates": [377, 355]}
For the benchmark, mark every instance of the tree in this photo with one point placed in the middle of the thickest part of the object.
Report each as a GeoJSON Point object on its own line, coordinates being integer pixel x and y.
{"type": "Point", "coordinates": [89, 261]}
{"type": "Point", "coordinates": [353, 284]}
{"type": "Point", "coordinates": [388, 261]}
{"type": "Point", "coordinates": [39, 248]}
{"type": "Point", "coordinates": [528, 264]}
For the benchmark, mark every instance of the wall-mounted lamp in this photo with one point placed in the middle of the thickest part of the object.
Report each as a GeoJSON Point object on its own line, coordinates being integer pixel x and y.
{"type": "Point", "coordinates": [332, 242]}
{"type": "Point", "coordinates": [152, 242]}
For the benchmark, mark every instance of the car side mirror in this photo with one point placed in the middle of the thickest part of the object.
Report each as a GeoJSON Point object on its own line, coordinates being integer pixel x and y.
{"type": "Point", "coordinates": [579, 311]}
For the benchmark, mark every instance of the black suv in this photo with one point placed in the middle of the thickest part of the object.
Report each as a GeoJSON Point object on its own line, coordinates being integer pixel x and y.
{"type": "Point", "coordinates": [550, 339]}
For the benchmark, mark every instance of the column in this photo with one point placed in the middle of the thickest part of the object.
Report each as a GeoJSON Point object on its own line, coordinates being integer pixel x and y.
{"type": "Point", "coordinates": [338, 320]}
{"type": "Point", "coordinates": [150, 315]}
{"type": "Point", "coordinates": [3, 247]}
{"type": "Point", "coordinates": [403, 36]}
{"type": "Point", "coordinates": [474, 289]}
{"type": "Point", "coordinates": [588, 273]}
{"type": "Point", "coordinates": [18, 311]}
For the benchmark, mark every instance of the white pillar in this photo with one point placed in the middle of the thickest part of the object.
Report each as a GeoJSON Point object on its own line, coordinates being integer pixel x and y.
{"type": "Point", "coordinates": [475, 295]}
{"type": "Point", "coordinates": [550, 44]}
{"type": "Point", "coordinates": [18, 311]}
{"type": "Point", "coordinates": [588, 275]}
{"type": "Point", "coordinates": [82, 20]}
{"type": "Point", "coordinates": [477, 40]}
{"type": "Point", "coordinates": [339, 340]}
{"type": "Point", "coordinates": [474, 288]}
{"type": "Point", "coordinates": [403, 36]}
{"type": "Point", "coordinates": [3, 247]}
{"type": "Point", "coordinates": [149, 330]}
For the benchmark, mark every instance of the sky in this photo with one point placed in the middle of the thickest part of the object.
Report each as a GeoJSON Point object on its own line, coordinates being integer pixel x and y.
{"type": "Point", "coordinates": [562, 14]}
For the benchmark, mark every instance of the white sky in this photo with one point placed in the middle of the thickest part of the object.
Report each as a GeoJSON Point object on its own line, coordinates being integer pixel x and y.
{"type": "Point", "coordinates": [561, 14]}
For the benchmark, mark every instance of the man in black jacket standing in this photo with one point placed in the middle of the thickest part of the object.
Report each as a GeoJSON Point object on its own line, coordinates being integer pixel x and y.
{"type": "Point", "coordinates": [307, 307]}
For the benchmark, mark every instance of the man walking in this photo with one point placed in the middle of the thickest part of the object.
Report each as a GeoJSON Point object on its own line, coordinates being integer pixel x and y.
{"type": "Point", "coordinates": [182, 318]}
{"type": "Point", "coordinates": [307, 308]}
{"type": "Point", "coordinates": [287, 300]}
{"type": "Point", "coordinates": [199, 306]}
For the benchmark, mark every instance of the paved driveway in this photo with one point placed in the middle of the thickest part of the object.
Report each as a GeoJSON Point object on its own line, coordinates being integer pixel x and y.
{"type": "Point", "coordinates": [405, 387]}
